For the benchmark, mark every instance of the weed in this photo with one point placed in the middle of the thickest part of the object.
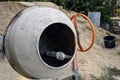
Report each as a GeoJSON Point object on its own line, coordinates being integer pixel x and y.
{"type": "Point", "coordinates": [107, 33]}
{"type": "Point", "coordinates": [103, 77]}
{"type": "Point", "coordinates": [73, 78]}
{"type": "Point", "coordinates": [118, 52]}
{"type": "Point", "coordinates": [114, 71]}
{"type": "Point", "coordinates": [109, 75]}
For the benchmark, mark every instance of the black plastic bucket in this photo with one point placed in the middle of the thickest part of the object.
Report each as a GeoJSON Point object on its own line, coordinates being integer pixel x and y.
{"type": "Point", "coordinates": [110, 41]}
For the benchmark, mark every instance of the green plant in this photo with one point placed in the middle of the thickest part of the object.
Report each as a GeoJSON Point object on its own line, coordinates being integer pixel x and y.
{"type": "Point", "coordinates": [108, 74]}
{"type": "Point", "coordinates": [104, 77]}
{"type": "Point", "coordinates": [114, 71]}
{"type": "Point", "coordinates": [107, 33]}
{"type": "Point", "coordinates": [118, 52]}
{"type": "Point", "coordinates": [106, 7]}
{"type": "Point", "coordinates": [27, 0]}
{"type": "Point", "coordinates": [72, 78]}
{"type": "Point", "coordinates": [117, 11]}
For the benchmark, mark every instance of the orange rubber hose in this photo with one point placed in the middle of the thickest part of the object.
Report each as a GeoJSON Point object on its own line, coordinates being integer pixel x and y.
{"type": "Point", "coordinates": [74, 17]}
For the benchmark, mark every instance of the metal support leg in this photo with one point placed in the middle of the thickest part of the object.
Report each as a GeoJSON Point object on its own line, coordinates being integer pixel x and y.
{"type": "Point", "coordinates": [75, 67]}
{"type": "Point", "coordinates": [76, 74]}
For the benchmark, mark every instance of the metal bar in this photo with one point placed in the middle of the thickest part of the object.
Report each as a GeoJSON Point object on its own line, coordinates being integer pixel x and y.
{"type": "Point", "coordinates": [75, 67]}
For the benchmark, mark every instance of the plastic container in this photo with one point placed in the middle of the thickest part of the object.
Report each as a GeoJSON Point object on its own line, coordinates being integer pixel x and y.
{"type": "Point", "coordinates": [110, 41]}
{"type": "Point", "coordinates": [95, 17]}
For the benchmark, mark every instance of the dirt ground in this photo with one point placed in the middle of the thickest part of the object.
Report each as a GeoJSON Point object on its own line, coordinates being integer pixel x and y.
{"type": "Point", "coordinates": [93, 62]}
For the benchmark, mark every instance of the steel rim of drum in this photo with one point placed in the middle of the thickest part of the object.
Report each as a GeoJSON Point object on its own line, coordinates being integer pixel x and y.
{"type": "Point", "coordinates": [52, 67]}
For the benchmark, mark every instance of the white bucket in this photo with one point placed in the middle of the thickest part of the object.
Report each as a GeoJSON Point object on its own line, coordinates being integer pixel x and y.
{"type": "Point", "coordinates": [95, 17]}
{"type": "Point", "coordinates": [118, 23]}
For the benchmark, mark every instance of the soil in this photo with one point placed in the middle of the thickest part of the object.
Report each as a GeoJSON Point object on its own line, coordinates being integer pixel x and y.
{"type": "Point", "coordinates": [94, 62]}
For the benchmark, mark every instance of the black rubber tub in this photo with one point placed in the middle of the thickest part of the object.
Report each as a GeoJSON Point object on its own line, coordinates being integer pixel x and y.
{"type": "Point", "coordinates": [110, 41]}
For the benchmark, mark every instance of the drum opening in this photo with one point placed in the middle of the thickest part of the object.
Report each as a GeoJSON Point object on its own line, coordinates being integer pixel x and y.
{"type": "Point", "coordinates": [57, 38]}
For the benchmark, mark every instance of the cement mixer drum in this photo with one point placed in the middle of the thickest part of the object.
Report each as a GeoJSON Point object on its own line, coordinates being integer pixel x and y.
{"type": "Point", "coordinates": [40, 42]}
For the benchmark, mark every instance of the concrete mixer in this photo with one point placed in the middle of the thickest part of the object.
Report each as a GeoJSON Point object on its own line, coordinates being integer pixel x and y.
{"type": "Point", "coordinates": [40, 42]}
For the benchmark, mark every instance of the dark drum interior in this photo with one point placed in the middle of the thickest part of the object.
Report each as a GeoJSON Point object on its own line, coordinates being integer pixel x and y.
{"type": "Point", "coordinates": [56, 37]}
